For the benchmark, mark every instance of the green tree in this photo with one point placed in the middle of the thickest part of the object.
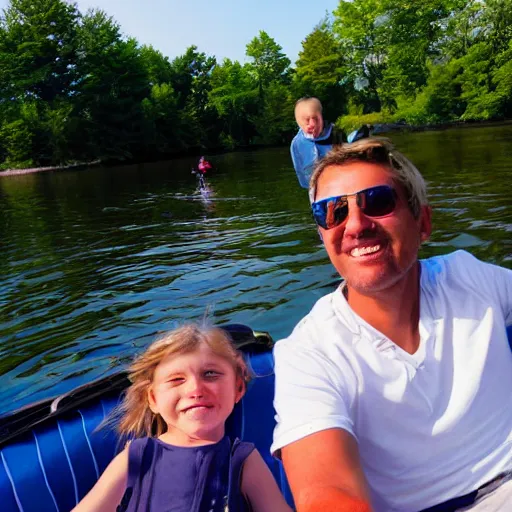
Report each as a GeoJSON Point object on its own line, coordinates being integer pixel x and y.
{"type": "Point", "coordinates": [234, 95]}
{"type": "Point", "coordinates": [38, 76]}
{"type": "Point", "coordinates": [269, 63]}
{"type": "Point", "coordinates": [414, 30]}
{"type": "Point", "coordinates": [321, 71]}
{"type": "Point", "coordinates": [112, 86]}
{"type": "Point", "coordinates": [362, 30]}
{"type": "Point", "coordinates": [162, 128]}
{"type": "Point", "coordinates": [38, 49]}
{"type": "Point", "coordinates": [158, 67]}
{"type": "Point", "coordinates": [461, 29]}
{"type": "Point", "coordinates": [190, 79]}
{"type": "Point", "coordinates": [275, 122]}
{"type": "Point", "coordinates": [487, 63]}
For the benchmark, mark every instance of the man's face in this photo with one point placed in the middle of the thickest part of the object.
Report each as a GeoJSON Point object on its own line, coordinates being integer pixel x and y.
{"type": "Point", "coordinates": [309, 118]}
{"type": "Point", "coordinates": [372, 253]}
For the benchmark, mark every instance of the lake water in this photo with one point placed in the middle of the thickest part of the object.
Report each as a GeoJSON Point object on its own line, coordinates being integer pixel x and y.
{"type": "Point", "coordinates": [95, 263]}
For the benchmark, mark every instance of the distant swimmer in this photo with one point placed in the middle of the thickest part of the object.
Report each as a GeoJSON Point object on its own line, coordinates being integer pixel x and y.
{"type": "Point", "coordinates": [204, 165]}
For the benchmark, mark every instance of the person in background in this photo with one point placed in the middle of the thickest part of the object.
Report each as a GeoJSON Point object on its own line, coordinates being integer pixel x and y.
{"type": "Point", "coordinates": [204, 165]}
{"type": "Point", "coordinates": [395, 392]}
{"type": "Point", "coordinates": [184, 387]}
{"type": "Point", "coordinates": [313, 140]}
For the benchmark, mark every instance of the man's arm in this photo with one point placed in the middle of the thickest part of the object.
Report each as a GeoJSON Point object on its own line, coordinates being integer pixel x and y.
{"type": "Point", "coordinates": [325, 473]}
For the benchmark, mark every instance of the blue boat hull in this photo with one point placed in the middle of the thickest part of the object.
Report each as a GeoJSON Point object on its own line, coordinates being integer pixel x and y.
{"type": "Point", "coordinates": [54, 463]}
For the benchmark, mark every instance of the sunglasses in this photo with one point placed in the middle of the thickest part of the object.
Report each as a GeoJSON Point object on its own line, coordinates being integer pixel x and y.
{"type": "Point", "coordinates": [374, 202]}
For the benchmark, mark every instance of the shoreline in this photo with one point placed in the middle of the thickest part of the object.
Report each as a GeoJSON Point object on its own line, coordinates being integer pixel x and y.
{"type": "Point", "coordinates": [33, 170]}
{"type": "Point", "coordinates": [385, 128]}
{"type": "Point", "coordinates": [446, 125]}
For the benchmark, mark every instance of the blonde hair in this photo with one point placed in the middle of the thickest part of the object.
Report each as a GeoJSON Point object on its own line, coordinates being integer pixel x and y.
{"type": "Point", "coordinates": [134, 414]}
{"type": "Point", "coordinates": [379, 151]}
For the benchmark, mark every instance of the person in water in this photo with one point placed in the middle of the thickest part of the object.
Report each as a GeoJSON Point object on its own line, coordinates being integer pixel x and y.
{"type": "Point", "coordinates": [313, 140]}
{"type": "Point", "coordinates": [203, 166]}
{"type": "Point", "coordinates": [184, 387]}
{"type": "Point", "coordinates": [394, 392]}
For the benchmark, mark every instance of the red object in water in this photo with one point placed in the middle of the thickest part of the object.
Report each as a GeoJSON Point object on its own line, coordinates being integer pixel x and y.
{"type": "Point", "coordinates": [204, 166]}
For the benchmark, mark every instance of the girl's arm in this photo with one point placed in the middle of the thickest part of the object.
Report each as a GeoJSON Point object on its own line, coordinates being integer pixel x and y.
{"type": "Point", "coordinates": [109, 489]}
{"type": "Point", "coordinates": [260, 488]}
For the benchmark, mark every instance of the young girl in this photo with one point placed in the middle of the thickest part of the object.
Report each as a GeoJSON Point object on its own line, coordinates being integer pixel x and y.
{"type": "Point", "coordinates": [183, 389]}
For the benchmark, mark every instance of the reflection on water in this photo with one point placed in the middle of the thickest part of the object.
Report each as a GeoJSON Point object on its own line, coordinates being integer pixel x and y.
{"type": "Point", "coordinates": [95, 263]}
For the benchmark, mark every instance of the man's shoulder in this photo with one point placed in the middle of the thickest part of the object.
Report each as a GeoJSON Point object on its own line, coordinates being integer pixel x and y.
{"type": "Point", "coordinates": [454, 256]}
{"type": "Point", "coordinates": [457, 264]}
{"type": "Point", "coordinates": [320, 327]}
{"type": "Point", "coordinates": [463, 276]}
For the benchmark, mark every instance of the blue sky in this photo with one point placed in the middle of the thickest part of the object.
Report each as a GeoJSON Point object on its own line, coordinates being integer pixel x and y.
{"type": "Point", "coordinates": [218, 27]}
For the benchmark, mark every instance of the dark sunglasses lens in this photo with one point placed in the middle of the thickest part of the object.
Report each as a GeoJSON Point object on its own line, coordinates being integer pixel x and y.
{"type": "Point", "coordinates": [337, 212]}
{"type": "Point", "coordinates": [319, 214]}
{"type": "Point", "coordinates": [379, 201]}
{"type": "Point", "coordinates": [330, 212]}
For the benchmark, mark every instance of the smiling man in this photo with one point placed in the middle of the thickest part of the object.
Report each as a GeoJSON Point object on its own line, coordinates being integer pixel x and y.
{"type": "Point", "coordinates": [394, 392]}
{"type": "Point", "coordinates": [313, 140]}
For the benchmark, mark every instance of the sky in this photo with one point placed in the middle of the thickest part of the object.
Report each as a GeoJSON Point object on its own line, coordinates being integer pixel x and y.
{"type": "Point", "coordinates": [217, 27]}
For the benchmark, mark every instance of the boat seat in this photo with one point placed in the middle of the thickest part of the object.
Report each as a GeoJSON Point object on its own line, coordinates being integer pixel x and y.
{"type": "Point", "coordinates": [52, 467]}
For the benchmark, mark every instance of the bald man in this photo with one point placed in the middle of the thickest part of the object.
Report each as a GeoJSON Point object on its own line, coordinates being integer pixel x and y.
{"type": "Point", "coordinates": [313, 140]}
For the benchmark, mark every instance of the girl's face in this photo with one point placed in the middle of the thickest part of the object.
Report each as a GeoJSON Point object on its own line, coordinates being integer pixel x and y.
{"type": "Point", "coordinates": [194, 393]}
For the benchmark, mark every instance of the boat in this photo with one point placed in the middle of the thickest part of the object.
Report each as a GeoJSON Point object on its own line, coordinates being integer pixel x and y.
{"type": "Point", "coordinates": [52, 452]}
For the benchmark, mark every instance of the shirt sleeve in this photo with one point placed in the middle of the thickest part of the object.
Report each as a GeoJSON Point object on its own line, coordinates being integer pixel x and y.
{"type": "Point", "coordinates": [492, 280]}
{"type": "Point", "coordinates": [311, 394]}
{"type": "Point", "coordinates": [501, 280]}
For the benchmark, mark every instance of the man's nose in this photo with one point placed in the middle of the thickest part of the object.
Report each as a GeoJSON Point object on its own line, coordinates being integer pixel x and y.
{"type": "Point", "coordinates": [357, 222]}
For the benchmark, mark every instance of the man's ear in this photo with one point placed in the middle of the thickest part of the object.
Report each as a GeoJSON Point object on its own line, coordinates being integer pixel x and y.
{"type": "Point", "coordinates": [425, 222]}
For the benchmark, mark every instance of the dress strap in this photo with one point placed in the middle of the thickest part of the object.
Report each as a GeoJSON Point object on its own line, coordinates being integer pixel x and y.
{"type": "Point", "coordinates": [239, 453]}
{"type": "Point", "coordinates": [136, 450]}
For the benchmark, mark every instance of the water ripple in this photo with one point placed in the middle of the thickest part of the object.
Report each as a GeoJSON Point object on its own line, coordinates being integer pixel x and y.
{"type": "Point", "coordinates": [95, 264]}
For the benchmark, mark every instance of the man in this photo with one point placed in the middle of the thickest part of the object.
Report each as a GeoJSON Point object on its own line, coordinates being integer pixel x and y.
{"type": "Point", "coordinates": [313, 140]}
{"type": "Point", "coordinates": [395, 392]}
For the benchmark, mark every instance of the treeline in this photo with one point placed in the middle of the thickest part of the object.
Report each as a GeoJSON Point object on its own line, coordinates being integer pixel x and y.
{"type": "Point", "coordinates": [73, 88]}
{"type": "Point", "coordinates": [426, 61]}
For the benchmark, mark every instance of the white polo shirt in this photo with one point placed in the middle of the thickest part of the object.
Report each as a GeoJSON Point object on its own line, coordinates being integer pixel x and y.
{"type": "Point", "coordinates": [430, 426]}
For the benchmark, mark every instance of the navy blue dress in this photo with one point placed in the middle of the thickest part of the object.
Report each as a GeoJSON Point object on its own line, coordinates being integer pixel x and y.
{"type": "Point", "coordinates": [167, 478]}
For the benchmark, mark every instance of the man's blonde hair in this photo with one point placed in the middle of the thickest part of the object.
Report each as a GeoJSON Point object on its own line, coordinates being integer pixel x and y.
{"type": "Point", "coordinates": [134, 414]}
{"type": "Point", "coordinates": [379, 151]}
